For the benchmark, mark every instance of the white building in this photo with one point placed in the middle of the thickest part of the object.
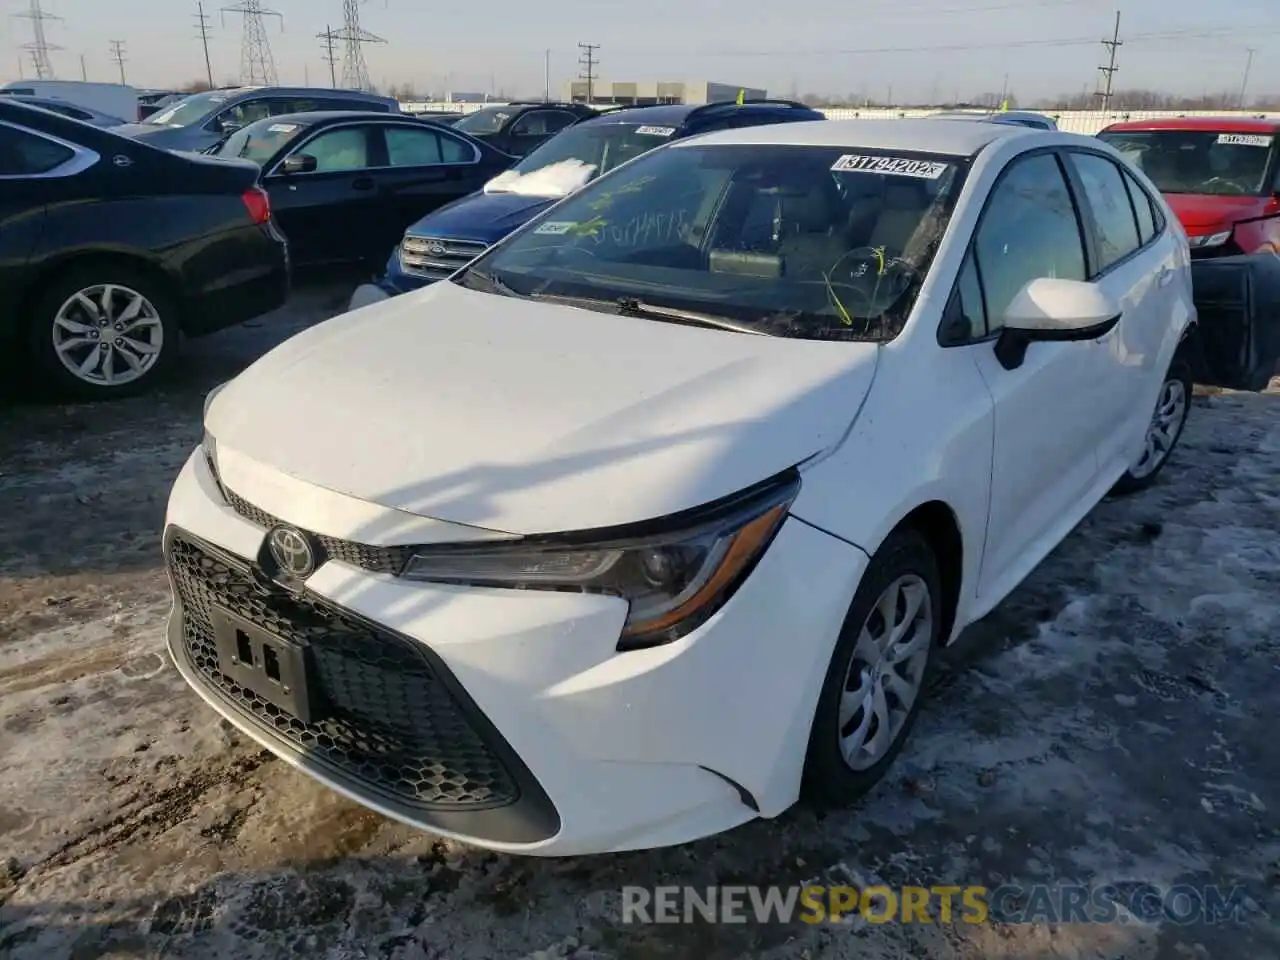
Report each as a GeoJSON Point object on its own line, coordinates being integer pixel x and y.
{"type": "Point", "coordinates": [661, 91]}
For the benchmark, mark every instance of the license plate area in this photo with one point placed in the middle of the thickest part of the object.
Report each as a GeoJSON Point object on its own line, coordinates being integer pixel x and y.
{"type": "Point", "coordinates": [275, 669]}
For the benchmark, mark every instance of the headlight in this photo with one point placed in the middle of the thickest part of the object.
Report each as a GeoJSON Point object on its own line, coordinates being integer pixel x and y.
{"type": "Point", "coordinates": [1213, 240]}
{"type": "Point", "coordinates": [674, 580]}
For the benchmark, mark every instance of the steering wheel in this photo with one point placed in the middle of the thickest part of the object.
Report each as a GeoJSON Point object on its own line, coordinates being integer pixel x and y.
{"type": "Point", "coordinates": [1225, 182]}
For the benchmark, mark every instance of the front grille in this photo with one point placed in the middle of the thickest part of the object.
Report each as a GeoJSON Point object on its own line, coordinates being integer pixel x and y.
{"type": "Point", "coordinates": [437, 258]}
{"type": "Point", "coordinates": [391, 722]}
{"type": "Point", "coordinates": [365, 556]}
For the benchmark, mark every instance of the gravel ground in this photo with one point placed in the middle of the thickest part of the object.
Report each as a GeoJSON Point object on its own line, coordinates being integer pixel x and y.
{"type": "Point", "coordinates": [1112, 721]}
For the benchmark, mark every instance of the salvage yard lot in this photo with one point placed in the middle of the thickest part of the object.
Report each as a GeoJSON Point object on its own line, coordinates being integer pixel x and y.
{"type": "Point", "coordinates": [1114, 720]}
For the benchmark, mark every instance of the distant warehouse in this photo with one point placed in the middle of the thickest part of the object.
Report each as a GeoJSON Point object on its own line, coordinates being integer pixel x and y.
{"type": "Point", "coordinates": [672, 91]}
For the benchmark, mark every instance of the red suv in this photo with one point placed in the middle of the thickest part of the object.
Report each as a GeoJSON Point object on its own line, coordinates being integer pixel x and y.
{"type": "Point", "coordinates": [1221, 176]}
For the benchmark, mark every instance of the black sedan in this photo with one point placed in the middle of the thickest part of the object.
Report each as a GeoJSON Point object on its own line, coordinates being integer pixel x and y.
{"type": "Point", "coordinates": [111, 250]}
{"type": "Point", "coordinates": [345, 185]}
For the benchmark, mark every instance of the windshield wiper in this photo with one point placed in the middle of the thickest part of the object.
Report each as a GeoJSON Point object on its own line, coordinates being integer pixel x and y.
{"type": "Point", "coordinates": [634, 307]}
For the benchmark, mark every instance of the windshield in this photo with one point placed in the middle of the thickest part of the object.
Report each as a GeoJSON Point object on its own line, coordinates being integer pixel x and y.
{"type": "Point", "coordinates": [188, 110]}
{"type": "Point", "coordinates": [485, 121]}
{"type": "Point", "coordinates": [578, 155]}
{"type": "Point", "coordinates": [797, 241]}
{"type": "Point", "coordinates": [260, 141]}
{"type": "Point", "coordinates": [1205, 162]}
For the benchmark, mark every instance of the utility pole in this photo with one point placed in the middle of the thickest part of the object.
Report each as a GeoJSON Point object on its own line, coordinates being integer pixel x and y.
{"type": "Point", "coordinates": [257, 64]}
{"type": "Point", "coordinates": [546, 90]}
{"type": "Point", "coordinates": [353, 37]}
{"type": "Point", "coordinates": [84, 72]}
{"type": "Point", "coordinates": [117, 54]}
{"type": "Point", "coordinates": [1113, 45]}
{"type": "Point", "coordinates": [202, 27]}
{"type": "Point", "coordinates": [330, 57]}
{"type": "Point", "coordinates": [589, 65]}
{"type": "Point", "coordinates": [1244, 83]}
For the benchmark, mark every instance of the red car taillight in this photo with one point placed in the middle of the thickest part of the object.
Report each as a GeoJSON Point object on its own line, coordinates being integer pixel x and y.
{"type": "Point", "coordinates": [258, 204]}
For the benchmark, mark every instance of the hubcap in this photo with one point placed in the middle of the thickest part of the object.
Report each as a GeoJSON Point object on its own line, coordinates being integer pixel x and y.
{"type": "Point", "coordinates": [1162, 432]}
{"type": "Point", "coordinates": [108, 335]}
{"type": "Point", "coordinates": [886, 672]}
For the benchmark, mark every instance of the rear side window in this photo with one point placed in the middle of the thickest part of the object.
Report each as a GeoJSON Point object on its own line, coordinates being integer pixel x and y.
{"type": "Point", "coordinates": [1143, 207]}
{"type": "Point", "coordinates": [1115, 227]}
{"type": "Point", "coordinates": [24, 154]}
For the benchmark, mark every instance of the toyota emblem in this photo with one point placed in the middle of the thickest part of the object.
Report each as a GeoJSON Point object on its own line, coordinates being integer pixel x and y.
{"type": "Point", "coordinates": [437, 249]}
{"type": "Point", "coordinates": [291, 550]}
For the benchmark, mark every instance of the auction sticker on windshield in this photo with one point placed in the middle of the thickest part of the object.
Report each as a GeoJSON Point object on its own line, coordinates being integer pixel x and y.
{"type": "Point", "coordinates": [282, 128]}
{"type": "Point", "coordinates": [655, 131]}
{"type": "Point", "coordinates": [555, 228]}
{"type": "Point", "coordinates": [1245, 139]}
{"type": "Point", "coordinates": [890, 166]}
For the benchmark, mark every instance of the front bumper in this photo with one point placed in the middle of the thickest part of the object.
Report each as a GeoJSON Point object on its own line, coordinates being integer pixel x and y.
{"type": "Point", "coordinates": [506, 718]}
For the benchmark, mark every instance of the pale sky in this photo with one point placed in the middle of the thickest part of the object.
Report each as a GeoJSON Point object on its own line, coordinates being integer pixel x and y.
{"type": "Point", "coordinates": [922, 49]}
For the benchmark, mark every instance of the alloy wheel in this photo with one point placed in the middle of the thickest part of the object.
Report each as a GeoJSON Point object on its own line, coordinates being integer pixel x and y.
{"type": "Point", "coordinates": [886, 672]}
{"type": "Point", "coordinates": [108, 335]}
{"type": "Point", "coordinates": [1162, 431]}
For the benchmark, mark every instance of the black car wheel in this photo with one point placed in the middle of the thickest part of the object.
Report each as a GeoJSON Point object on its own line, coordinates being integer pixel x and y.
{"type": "Point", "coordinates": [103, 331]}
{"type": "Point", "coordinates": [1163, 431]}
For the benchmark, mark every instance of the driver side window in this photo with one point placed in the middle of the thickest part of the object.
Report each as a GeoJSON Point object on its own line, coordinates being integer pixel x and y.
{"type": "Point", "coordinates": [1028, 230]}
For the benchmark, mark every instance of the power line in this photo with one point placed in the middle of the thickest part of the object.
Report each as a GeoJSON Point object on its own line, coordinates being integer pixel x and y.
{"type": "Point", "coordinates": [117, 54]}
{"type": "Point", "coordinates": [257, 65]}
{"type": "Point", "coordinates": [589, 65]}
{"type": "Point", "coordinates": [202, 29]}
{"type": "Point", "coordinates": [39, 47]}
{"type": "Point", "coordinates": [331, 58]}
{"type": "Point", "coordinates": [1109, 71]}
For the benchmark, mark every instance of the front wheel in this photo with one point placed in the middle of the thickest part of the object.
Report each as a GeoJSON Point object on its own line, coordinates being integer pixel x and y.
{"type": "Point", "coordinates": [103, 331]}
{"type": "Point", "coordinates": [878, 673]}
{"type": "Point", "coordinates": [1163, 430]}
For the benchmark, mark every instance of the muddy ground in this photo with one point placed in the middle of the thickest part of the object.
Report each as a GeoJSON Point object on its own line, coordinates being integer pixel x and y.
{"type": "Point", "coordinates": [1113, 721]}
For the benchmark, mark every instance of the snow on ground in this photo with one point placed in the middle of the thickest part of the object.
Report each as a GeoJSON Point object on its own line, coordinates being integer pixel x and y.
{"type": "Point", "coordinates": [1112, 721]}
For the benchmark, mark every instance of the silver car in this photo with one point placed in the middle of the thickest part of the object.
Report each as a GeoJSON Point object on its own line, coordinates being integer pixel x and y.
{"type": "Point", "coordinates": [199, 121]}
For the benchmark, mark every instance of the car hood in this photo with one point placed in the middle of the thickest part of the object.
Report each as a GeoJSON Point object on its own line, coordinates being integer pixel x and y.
{"type": "Point", "coordinates": [527, 417]}
{"type": "Point", "coordinates": [483, 217]}
{"type": "Point", "coordinates": [1202, 214]}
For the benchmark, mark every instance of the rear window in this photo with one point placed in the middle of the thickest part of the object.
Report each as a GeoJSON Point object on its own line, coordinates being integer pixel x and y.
{"type": "Point", "coordinates": [484, 122]}
{"type": "Point", "coordinates": [1206, 162]}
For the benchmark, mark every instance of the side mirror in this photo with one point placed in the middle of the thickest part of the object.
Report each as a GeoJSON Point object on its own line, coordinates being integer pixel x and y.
{"type": "Point", "coordinates": [1054, 310]}
{"type": "Point", "coordinates": [299, 163]}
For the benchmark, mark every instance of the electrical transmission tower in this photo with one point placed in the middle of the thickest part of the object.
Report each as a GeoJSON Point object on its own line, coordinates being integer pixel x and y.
{"type": "Point", "coordinates": [590, 65]}
{"type": "Point", "coordinates": [202, 31]}
{"type": "Point", "coordinates": [39, 47]}
{"type": "Point", "coordinates": [117, 54]}
{"type": "Point", "coordinates": [1113, 45]}
{"type": "Point", "coordinates": [257, 65]}
{"type": "Point", "coordinates": [353, 37]}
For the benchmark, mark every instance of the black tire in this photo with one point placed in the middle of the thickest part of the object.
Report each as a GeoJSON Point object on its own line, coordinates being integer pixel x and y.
{"type": "Point", "coordinates": [1179, 376]}
{"type": "Point", "coordinates": [829, 782]}
{"type": "Point", "coordinates": [54, 376]}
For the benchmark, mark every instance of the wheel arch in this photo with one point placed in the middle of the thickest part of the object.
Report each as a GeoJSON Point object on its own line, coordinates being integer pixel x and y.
{"type": "Point", "coordinates": [56, 268]}
{"type": "Point", "coordinates": [938, 524]}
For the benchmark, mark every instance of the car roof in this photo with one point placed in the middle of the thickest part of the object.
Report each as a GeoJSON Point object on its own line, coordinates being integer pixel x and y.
{"type": "Point", "coordinates": [676, 114]}
{"type": "Point", "coordinates": [961, 138]}
{"type": "Point", "coordinates": [319, 116]}
{"type": "Point", "coordinates": [1221, 124]}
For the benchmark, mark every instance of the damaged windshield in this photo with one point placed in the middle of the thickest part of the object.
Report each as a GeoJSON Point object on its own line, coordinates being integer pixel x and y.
{"type": "Point", "coordinates": [260, 141]}
{"type": "Point", "coordinates": [797, 241]}
{"type": "Point", "coordinates": [578, 155]}
{"type": "Point", "coordinates": [1206, 162]}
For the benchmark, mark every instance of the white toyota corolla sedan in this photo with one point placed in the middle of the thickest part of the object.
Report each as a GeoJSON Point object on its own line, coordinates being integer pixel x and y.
{"type": "Point", "coordinates": [654, 518]}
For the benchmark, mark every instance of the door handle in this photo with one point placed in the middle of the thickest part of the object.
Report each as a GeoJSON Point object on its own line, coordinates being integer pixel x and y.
{"type": "Point", "coordinates": [1164, 276]}
{"type": "Point", "coordinates": [363, 183]}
